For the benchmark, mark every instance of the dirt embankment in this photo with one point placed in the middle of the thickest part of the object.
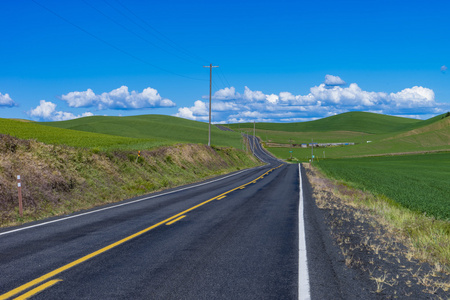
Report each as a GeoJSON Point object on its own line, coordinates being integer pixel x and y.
{"type": "Point", "coordinates": [59, 180]}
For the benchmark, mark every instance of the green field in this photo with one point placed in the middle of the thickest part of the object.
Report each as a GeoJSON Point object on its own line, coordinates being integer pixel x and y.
{"type": "Point", "coordinates": [137, 132]}
{"type": "Point", "coordinates": [417, 182]}
{"type": "Point", "coordinates": [373, 134]}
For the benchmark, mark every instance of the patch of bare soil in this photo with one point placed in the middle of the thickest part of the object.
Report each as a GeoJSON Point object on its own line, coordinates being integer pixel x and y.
{"type": "Point", "coordinates": [380, 255]}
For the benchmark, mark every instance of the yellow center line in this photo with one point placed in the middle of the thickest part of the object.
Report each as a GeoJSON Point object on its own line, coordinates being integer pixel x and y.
{"type": "Point", "coordinates": [220, 198]}
{"type": "Point", "coordinates": [38, 289]}
{"type": "Point", "coordinates": [104, 249]}
{"type": "Point", "coordinates": [177, 219]}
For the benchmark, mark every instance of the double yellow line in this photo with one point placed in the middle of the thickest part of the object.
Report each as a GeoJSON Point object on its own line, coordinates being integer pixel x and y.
{"type": "Point", "coordinates": [53, 273]}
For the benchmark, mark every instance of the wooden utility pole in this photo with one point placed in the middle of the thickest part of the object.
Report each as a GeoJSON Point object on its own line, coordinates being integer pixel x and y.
{"type": "Point", "coordinates": [210, 83]}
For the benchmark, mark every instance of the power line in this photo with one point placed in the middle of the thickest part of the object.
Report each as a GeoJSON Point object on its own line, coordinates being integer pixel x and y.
{"type": "Point", "coordinates": [221, 80]}
{"type": "Point", "coordinates": [223, 74]}
{"type": "Point", "coordinates": [134, 33]}
{"type": "Point", "coordinates": [145, 29]}
{"type": "Point", "coordinates": [175, 45]}
{"type": "Point", "coordinates": [111, 45]}
{"type": "Point", "coordinates": [215, 86]}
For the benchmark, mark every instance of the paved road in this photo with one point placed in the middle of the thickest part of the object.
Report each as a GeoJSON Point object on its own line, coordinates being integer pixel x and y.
{"type": "Point", "coordinates": [233, 237]}
{"type": "Point", "coordinates": [223, 128]}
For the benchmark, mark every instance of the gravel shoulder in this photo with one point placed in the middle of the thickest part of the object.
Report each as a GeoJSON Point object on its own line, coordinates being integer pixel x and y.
{"type": "Point", "coordinates": [370, 259]}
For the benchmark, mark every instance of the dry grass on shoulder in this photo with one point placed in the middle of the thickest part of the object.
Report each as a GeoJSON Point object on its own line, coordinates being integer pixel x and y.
{"type": "Point", "coordinates": [58, 180]}
{"type": "Point", "coordinates": [402, 252]}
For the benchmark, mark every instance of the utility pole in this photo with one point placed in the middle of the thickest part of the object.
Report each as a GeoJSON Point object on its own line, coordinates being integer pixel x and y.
{"type": "Point", "coordinates": [210, 83]}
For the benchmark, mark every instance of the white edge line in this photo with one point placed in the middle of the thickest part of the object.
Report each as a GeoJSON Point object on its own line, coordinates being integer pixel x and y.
{"type": "Point", "coordinates": [252, 146]}
{"type": "Point", "coordinates": [267, 153]}
{"type": "Point", "coordinates": [303, 277]}
{"type": "Point", "coordinates": [122, 204]}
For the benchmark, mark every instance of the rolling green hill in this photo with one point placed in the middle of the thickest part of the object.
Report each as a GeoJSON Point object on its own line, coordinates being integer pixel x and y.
{"type": "Point", "coordinates": [74, 138]}
{"type": "Point", "coordinates": [137, 132]}
{"type": "Point", "coordinates": [363, 122]}
{"type": "Point", "coordinates": [159, 127]}
{"type": "Point", "coordinates": [387, 134]}
{"type": "Point", "coordinates": [373, 134]}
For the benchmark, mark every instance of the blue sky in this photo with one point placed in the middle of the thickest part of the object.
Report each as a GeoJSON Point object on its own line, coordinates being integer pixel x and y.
{"type": "Point", "coordinates": [279, 61]}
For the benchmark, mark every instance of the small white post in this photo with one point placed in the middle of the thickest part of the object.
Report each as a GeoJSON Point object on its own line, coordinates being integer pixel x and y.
{"type": "Point", "coordinates": [19, 187]}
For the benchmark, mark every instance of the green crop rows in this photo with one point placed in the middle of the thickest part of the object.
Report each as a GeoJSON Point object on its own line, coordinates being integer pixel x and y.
{"type": "Point", "coordinates": [418, 182]}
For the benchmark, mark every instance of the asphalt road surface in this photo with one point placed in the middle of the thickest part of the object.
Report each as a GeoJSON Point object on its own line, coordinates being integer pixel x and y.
{"type": "Point", "coordinates": [232, 237]}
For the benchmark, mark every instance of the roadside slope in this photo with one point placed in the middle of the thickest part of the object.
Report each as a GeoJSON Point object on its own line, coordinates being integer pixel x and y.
{"type": "Point", "coordinates": [58, 179]}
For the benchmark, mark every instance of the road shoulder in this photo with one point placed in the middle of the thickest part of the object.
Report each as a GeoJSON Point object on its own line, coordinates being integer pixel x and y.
{"type": "Point", "coordinates": [367, 260]}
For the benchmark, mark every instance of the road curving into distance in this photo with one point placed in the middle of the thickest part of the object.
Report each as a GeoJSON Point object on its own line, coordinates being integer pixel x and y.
{"type": "Point", "coordinates": [231, 237]}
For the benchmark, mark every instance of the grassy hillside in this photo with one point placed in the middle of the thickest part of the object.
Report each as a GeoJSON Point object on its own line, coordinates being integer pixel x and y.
{"type": "Point", "coordinates": [379, 136]}
{"type": "Point", "coordinates": [104, 133]}
{"type": "Point", "coordinates": [73, 165]}
{"type": "Point", "coordinates": [363, 122]}
{"type": "Point", "coordinates": [59, 179]}
{"type": "Point", "coordinates": [74, 138]}
{"type": "Point", "coordinates": [156, 127]}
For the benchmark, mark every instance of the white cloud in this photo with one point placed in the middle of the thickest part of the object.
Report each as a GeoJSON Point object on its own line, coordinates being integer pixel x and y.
{"type": "Point", "coordinates": [119, 98]}
{"type": "Point", "coordinates": [443, 69]}
{"type": "Point", "coordinates": [225, 94]}
{"type": "Point", "coordinates": [321, 101]}
{"type": "Point", "coordinates": [333, 80]}
{"type": "Point", "coordinates": [80, 99]}
{"type": "Point", "coordinates": [198, 112]}
{"type": "Point", "coordinates": [416, 96]}
{"type": "Point", "coordinates": [253, 95]}
{"type": "Point", "coordinates": [5, 100]}
{"type": "Point", "coordinates": [352, 95]}
{"type": "Point", "coordinates": [46, 110]}
{"type": "Point", "coordinates": [272, 98]}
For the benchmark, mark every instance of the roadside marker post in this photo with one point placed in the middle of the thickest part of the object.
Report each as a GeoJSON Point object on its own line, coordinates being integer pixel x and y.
{"type": "Point", "coordinates": [19, 188]}
{"type": "Point", "coordinates": [139, 155]}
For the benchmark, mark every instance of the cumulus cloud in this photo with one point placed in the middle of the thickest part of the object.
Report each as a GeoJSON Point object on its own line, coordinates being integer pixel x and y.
{"type": "Point", "coordinates": [46, 110]}
{"type": "Point", "coordinates": [416, 96]}
{"type": "Point", "coordinates": [253, 96]}
{"type": "Point", "coordinates": [5, 100]}
{"type": "Point", "coordinates": [331, 80]}
{"type": "Point", "coordinates": [225, 94]}
{"type": "Point", "coordinates": [198, 112]}
{"type": "Point", "coordinates": [322, 101]}
{"type": "Point", "coordinates": [119, 98]}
